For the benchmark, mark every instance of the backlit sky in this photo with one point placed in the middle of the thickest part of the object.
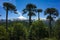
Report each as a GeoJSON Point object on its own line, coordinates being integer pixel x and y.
{"type": "Point", "coordinates": [21, 4]}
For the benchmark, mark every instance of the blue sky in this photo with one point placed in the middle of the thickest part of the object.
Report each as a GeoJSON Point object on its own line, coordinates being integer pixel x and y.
{"type": "Point", "coordinates": [21, 4]}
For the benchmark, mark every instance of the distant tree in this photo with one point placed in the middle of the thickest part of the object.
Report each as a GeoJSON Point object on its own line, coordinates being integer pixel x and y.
{"type": "Point", "coordinates": [52, 13]}
{"type": "Point", "coordinates": [0, 15]}
{"type": "Point", "coordinates": [39, 10]}
{"type": "Point", "coordinates": [8, 7]}
{"type": "Point", "coordinates": [30, 9]}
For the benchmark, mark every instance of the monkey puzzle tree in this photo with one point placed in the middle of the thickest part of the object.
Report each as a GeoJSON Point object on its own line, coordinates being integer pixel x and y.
{"type": "Point", "coordinates": [0, 15]}
{"type": "Point", "coordinates": [39, 10]}
{"type": "Point", "coordinates": [30, 9]}
{"type": "Point", "coordinates": [8, 7]}
{"type": "Point", "coordinates": [52, 13]}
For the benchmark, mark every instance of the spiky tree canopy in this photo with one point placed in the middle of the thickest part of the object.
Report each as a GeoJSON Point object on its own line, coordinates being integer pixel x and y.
{"type": "Point", "coordinates": [52, 11]}
{"type": "Point", "coordinates": [30, 9]}
{"type": "Point", "coordinates": [0, 15]}
{"type": "Point", "coordinates": [39, 10]}
{"type": "Point", "coordinates": [9, 6]}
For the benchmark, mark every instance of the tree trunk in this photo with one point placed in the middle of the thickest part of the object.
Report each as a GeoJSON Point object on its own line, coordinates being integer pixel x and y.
{"type": "Point", "coordinates": [30, 21]}
{"type": "Point", "coordinates": [50, 28]}
{"type": "Point", "coordinates": [38, 16]}
{"type": "Point", "coordinates": [6, 19]}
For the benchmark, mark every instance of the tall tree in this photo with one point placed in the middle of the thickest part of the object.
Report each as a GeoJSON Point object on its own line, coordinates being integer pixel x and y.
{"type": "Point", "coordinates": [52, 13]}
{"type": "Point", "coordinates": [8, 7]}
{"type": "Point", "coordinates": [39, 10]}
{"type": "Point", "coordinates": [30, 9]}
{"type": "Point", "coordinates": [0, 15]}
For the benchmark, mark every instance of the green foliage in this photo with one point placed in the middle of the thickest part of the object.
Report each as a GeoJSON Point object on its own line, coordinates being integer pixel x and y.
{"type": "Point", "coordinates": [3, 34]}
{"type": "Point", "coordinates": [17, 30]}
{"type": "Point", "coordinates": [20, 30]}
{"type": "Point", "coordinates": [38, 23]}
{"type": "Point", "coordinates": [38, 30]}
{"type": "Point", "coordinates": [57, 29]}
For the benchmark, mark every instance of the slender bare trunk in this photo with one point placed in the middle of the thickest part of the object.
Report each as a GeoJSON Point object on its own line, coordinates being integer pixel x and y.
{"type": "Point", "coordinates": [50, 27]}
{"type": "Point", "coordinates": [38, 16]}
{"type": "Point", "coordinates": [6, 19]}
{"type": "Point", "coordinates": [30, 21]}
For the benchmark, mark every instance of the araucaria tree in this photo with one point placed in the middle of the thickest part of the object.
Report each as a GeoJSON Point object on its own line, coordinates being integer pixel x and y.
{"type": "Point", "coordinates": [30, 9]}
{"type": "Point", "coordinates": [39, 10]}
{"type": "Point", "coordinates": [8, 7]}
{"type": "Point", "coordinates": [52, 13]}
